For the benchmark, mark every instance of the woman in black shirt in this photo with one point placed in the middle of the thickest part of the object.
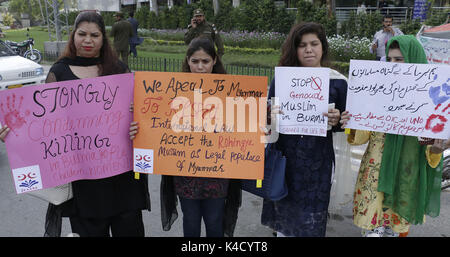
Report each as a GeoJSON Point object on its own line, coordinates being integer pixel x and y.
{"type": "Point", "coordinates": [100, 205]}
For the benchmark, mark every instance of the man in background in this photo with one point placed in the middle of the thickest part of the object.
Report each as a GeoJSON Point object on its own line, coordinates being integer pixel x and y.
{"type": "Point", "coordinates": [381, 37]}
{"type": "Point", "coordinates": [134, 40]}
{"type": "Point", "coordinates": [122, 31]}
{"type": "Point", "coordinates": [200, 27]}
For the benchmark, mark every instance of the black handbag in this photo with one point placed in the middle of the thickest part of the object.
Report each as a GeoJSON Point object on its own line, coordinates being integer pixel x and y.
{"type": "Point", "coordinates": [273, 185]}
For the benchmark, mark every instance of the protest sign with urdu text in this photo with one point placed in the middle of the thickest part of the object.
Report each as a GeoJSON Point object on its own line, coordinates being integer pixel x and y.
{"type": "Point", "coordinates": [399, 98]}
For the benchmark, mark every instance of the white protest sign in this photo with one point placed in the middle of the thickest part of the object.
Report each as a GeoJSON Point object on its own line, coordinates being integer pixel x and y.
{"type": "Point", "coordinates": [399, 98]}
{"type": "Point", "coordinates": [436, 49]}
{"type": "Point", "coordinates": [303, 98]}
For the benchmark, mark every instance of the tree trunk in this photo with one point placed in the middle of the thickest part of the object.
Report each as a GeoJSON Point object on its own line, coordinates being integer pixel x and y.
{"type": "Point", "coordinates": [154, 6]}
{"type": "Point", "coordinates": [236, 3]}
{"type": "Point", "coordinates": [216, 6]}
{"type": "Point", "coordinates": [329, 7]}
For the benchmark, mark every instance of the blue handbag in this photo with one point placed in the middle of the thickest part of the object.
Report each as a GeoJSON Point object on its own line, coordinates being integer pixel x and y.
{"type": "Point", "coordinates": [273, 185]}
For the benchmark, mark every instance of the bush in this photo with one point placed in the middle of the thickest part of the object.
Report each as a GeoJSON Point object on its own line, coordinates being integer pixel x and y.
{"type": "Point", "coordinates": [343, 49]}
{"type": "Point", "coordinates": [362, 25]}
{"type": "Point", "coordinates": [108, 18]}
{"type": "Point", "coordinates": [436, 18]}
{"type": "Point", "coordinates": [8, 19]}
{"type": "Point", "coordinates": [342, 67]}
{"type": "Point", "coordinates": [241, 39]}
{"type": "Point", "coordinates": [410, 27]}
{"type": "Point", "coordinates": [272, 40]}
{"type": "Point", "coordinates": [142, 16]}
{"type": "Point", "coordinates": [163, 34]}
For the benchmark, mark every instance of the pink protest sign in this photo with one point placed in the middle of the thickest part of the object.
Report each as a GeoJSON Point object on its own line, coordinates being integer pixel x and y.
{"type": "Point", "coordinates": [67, 131]}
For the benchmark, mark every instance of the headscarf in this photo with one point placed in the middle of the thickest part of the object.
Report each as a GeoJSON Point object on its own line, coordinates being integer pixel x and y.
{"type": "Point", "coordinates": [411, 187]}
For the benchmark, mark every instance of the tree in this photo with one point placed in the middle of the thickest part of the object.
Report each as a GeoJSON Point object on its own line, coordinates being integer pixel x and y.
{"type": "Point", "coordinates": [216, 6]}
{"type": "Point", "coordinates": [154, 6]}
{"type": "Point", "coordinates": [30, 7]}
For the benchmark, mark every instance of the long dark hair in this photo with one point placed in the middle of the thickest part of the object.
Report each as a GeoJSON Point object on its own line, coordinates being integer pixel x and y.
{"type": "Point", "coordinates": [205, 44]}
{"type": "Point", "coordinates": [290, 45]}
{"type": "Point", "coordinates": [109, 62]}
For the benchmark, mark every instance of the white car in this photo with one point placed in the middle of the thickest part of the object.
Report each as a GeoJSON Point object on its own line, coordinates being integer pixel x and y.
{"type": "Point", "coordinates": [446, 171]}
{"type": "Point", "coordinates": [16, 71]}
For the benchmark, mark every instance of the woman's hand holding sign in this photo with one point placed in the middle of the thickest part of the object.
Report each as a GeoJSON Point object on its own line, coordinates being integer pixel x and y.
{"type": "Point", "coordinates": [133, 125]}
{"type": "Point", "coordinates": [345, 117]}
{"type": "Point", "coordinates": [333, 116]}
{"type": "Point", "coordinates": [3, 132]}
{"type": "Point", "coordinates": [133, 129]}
{"type": "Point", "coordinates": [274, 111]}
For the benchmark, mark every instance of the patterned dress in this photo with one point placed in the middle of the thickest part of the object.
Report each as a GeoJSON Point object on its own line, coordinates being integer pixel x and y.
{"type": "Point", "coordinates": [309, 165]}
{"type": "Point", "coordinates": [368, 210]}
{"type": "Point", "coordinates": [200, 188]}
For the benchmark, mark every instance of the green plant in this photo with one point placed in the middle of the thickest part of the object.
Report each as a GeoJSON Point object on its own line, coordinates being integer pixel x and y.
{"type": "Point", "coordinates": [362, 25]}
{"type": "Point", "coordinates": [8, 19]}
{"type": "Point", "coordinates": [142, 17]}
{"type": "Point", "coordinates": [342, 67]}
{"type": "Point", "coordinates": [108, 18]}
{"type": "Point", "coordinates": [410, 27]}
{"type": "Point", "coordinates": [344, 49]}
{"type": "Point", "coordinates": [436, 18]}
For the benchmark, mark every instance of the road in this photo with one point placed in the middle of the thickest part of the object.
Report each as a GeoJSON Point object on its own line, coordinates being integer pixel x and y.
{"type": "Point", "coordinates": [23, 215]}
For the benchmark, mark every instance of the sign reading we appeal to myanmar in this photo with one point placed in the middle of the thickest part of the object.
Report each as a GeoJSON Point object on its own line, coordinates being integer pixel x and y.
{"type": "Point", "coordinates": [203, 125]}
{"type": "Point", "coordinates": [67, 131]}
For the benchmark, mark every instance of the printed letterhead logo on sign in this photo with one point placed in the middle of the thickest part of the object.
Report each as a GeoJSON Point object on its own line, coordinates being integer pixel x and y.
{"type": "Point", "coordinates": [27, 179]}
{"type": "Point", "coordinates": [143, 160]}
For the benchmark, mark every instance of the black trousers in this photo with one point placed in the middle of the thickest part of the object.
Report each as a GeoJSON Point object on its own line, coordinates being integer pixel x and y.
{"type": "Point", "coordinates": [128, 224]}
{"type": "Point", "coordinates": [211, 210]}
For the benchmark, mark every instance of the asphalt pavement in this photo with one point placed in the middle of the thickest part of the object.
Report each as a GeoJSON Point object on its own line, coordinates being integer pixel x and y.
{"type": "Point", "coordinates": [23, 215]}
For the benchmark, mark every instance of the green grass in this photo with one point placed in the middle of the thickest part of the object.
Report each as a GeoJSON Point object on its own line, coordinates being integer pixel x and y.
{"type": "Point", "coordinates": [39, 34]}
{"type": "Point", "coordinates": [178, 52]}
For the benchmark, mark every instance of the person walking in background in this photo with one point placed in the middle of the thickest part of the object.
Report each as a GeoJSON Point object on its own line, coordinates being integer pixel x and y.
{"type": "Point", "coordinates": [215, 200]}
{"type": "Point", "coordinates": [397, 162]}
{"type": "Point", "coordinates": [122, 31]}
{"type": "Point", "coordinates": [309, 159]}
{"type": "Point", "coordinates": [361, 8]}
{"type": "Point", "coordinates": [381, 37]}
{"type": "Point", "coordinates": [134, 40]}
{"type": "Point", "coordinates": [200, 27]}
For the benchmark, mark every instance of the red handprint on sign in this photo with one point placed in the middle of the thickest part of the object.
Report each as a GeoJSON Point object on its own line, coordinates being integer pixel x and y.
{"type": "Point", "coordinates": [13, 119]}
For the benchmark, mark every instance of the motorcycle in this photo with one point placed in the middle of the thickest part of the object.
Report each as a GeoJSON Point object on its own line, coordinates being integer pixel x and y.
{"type": "Point", "coordinates": [25, 49]}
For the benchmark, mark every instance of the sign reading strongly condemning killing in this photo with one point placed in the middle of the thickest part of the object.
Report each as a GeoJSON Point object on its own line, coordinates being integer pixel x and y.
{"type": "Point", "coordinates": [67, 131]}
{"type": "Point", "coordinates": [203, 125]}
{"type": "Point", "coordinates": [303, 98]}
{"type": "Point", "coordinates": [399, 98]}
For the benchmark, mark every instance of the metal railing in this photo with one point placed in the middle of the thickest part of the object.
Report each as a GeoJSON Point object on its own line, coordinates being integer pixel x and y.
{"type": "Point", "coordinates": [399, 14]}
{"type": "Point", "coordinates": [174, 65]}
